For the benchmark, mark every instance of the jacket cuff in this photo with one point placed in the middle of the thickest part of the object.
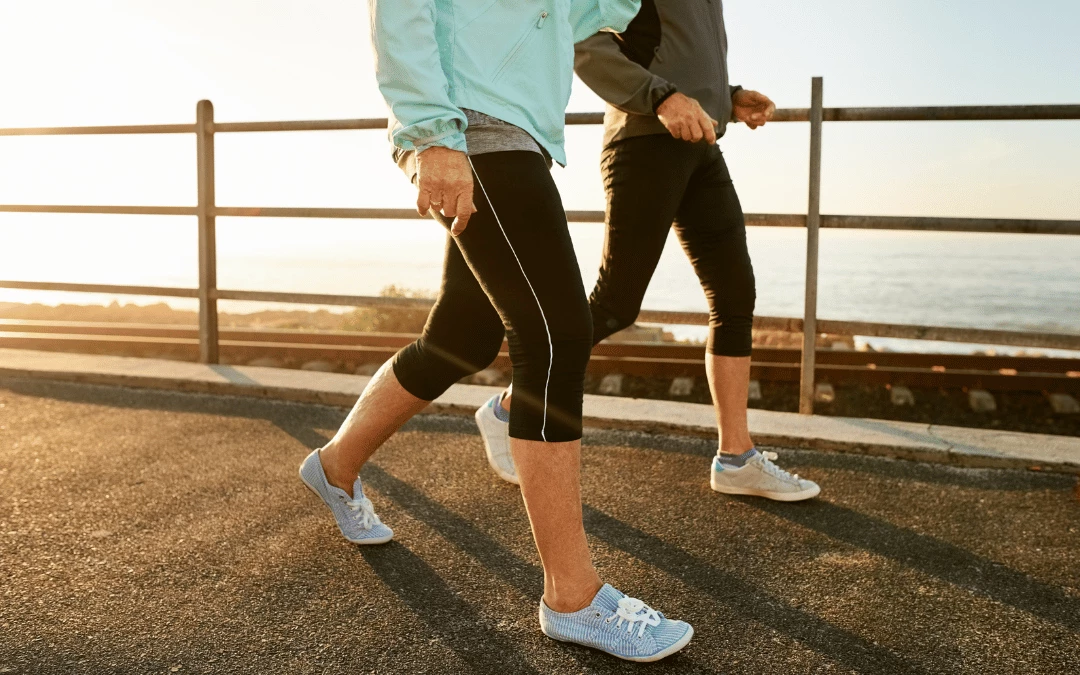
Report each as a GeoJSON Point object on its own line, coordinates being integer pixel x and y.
{"type": "Point", "coordinates": [454, 140]}
{"type": "Point", "coordinates": [735, 88]}
{"type": "Point", "coordinates": [661, 94]}
{"type": "Point", "coordinates": [448, 133]}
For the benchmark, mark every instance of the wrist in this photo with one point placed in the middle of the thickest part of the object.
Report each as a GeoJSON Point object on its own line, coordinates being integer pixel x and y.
{"type": "Point", "coordinates": [663, 98]}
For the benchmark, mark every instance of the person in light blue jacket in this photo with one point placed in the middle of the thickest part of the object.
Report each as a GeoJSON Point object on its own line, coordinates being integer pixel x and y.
{"type": "Point", "coordinates": [477, 91]}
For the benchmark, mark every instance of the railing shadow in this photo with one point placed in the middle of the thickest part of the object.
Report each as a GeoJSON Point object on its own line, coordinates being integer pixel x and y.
{"type": "Point", "coordinates": [934, 557]}
{"type": "Point", "coordinates": [980, 479]}
{"type": "Point", "coordinates": [232, 374]}
{"type": "Point", "coordinates": [747, 599]}
{"type": "Point", "coordinates": [446, 615]}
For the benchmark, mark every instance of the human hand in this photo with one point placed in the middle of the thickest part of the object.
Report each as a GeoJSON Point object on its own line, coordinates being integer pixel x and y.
{"type": "Point", "coordinates": [685, 118]}
{"type": "Point", "coordinates": [445, 180]}
{"type": "Point", "coordinates": [752, 108]}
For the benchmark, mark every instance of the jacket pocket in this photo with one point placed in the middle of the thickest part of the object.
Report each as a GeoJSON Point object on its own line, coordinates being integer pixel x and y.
{"type": "Point", "coordinates": [535, 25]}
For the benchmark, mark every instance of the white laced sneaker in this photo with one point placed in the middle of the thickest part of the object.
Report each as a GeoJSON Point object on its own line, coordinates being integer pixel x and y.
{"type": "Point", "coordinates": [761, 478]}
{"type": "Point", "coordinates": [355, 515]}
{"type": "Point", "coordinates": [619, 625]}
{"type": "Point", "coordinates": [496, 435]}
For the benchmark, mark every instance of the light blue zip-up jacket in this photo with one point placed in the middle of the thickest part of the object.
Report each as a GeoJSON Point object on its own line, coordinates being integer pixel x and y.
{"type": "Point", "coordinates": [511, 59]}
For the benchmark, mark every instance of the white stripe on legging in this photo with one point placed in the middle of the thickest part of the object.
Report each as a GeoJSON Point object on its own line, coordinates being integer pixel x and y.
{"type": "Point", "coordinates": [551, 346]}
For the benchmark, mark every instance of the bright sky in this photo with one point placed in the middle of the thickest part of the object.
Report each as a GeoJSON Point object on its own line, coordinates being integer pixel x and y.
{"type": "Point", "coordinates": [75, 62]}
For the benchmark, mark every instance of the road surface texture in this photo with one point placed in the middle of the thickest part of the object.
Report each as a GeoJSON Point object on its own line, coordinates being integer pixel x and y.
{"type": "Point", "coordinates": [157, 532]}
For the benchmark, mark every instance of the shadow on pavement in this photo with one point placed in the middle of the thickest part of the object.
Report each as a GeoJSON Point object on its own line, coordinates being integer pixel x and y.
{"type": "Point", "coordinates": [746, 598]}
{"type": "Point", "coordinates": [449, 617]}
{"type": "Point", "coordinates": [932, 556]}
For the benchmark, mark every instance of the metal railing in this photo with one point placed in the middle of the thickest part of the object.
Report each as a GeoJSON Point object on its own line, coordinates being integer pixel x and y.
{"type": "Point", "coordinates": [207, 211]}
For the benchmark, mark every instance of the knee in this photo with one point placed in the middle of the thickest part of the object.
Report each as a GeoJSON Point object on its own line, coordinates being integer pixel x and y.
{"type": "Point", "coordinates": [608, 319]}
{"type": "Point", "coordinates": [461, 353]}
{"type": "Point", "coordinates": [564, 343]}
{"type": "Point", "coordinates": [574, 348]}
{"type": "Point", "coordinates": [486, 348]}
{"type": "Point", "coordinates": [733, 335]}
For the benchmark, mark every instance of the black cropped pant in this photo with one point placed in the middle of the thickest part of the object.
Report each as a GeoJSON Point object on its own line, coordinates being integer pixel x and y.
{"type": "Point", "coordinates": [652, 182]}
{"type": "Point", "coordinates": [512, 271]}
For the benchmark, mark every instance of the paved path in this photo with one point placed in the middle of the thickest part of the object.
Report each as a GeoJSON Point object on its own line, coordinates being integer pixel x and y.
{"type": "Point", "coordinates": [156, 532]}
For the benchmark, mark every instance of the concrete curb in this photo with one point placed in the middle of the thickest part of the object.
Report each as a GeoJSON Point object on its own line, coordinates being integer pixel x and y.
{"type": "Point", "coordinates": [901, 440]}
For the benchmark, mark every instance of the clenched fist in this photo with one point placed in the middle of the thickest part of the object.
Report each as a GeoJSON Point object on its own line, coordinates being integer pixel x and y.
{"type": "Point", "coordinates": [686, 119]}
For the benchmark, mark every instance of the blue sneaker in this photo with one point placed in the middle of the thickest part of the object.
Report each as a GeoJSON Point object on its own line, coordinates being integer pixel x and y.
{"type": "Point", "coordinates": [355, 515]}
{"type": "Point", "coordinates": [621, 626]}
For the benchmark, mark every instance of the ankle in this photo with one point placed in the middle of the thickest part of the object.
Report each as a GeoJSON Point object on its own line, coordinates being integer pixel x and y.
{"type": "Point", "coordinates": [567, 600]}
{"type": "Point", "coordinates": [737, 450]}
{"type": "Point", "coordinates": [334, 475]}
{"type": "Point", "coordinates": [736, 447]}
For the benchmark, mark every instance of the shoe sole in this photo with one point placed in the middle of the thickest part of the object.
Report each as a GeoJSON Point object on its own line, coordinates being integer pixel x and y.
{"type": "Point", "coordinates": [508, 477]}
{"type": "Point", "coordinates": [768, 494]}
{"type": "Point", "coordinates": [677, 646]}
{"type": "Point", "coordinates": [359, 542]}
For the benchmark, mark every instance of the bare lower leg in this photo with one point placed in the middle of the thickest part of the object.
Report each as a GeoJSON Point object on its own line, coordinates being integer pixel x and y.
{"type": "Point", "coordinates": [383, 407]}
{"type": "Point", "coordinates": [729, 381]}
{"type": "Point", "coordinates": [550, 485]}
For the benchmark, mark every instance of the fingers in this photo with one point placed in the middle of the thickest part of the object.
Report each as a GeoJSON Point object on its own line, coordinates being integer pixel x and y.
{"type": "Point", "coordinates": [423, 202]}
{"type": "Point", "coordinates": [450, 206]}
{"type": "Point", "coordinates": [689, 123]}
{"type": "Point", "coordinates": [704, 128]}
{"type": "Point", "coordinates": [454, 200]}
{"type": "Point", "coordinates": [461, 216]}
{"type": "Point", "coordinates": [710, 130]}
{"type": "Point", "coordinates": [696, 130]}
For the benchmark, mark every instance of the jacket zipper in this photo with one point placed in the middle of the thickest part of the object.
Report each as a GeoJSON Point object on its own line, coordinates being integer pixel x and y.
{"type": "Point", "coordinates": [520, 44]}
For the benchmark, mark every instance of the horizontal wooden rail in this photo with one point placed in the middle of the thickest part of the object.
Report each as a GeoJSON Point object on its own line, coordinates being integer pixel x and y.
{"type": "Point", "coordinates": [949, 334]}
{"type": "Point", "coordinates": [109, 210]}
{"type": "Point", "coordinates": [111, 289]}
{"type": "Point", "coordinates": [322, 299]}
{"type": "Point", "coordinates": [613, 349]}
{"type": "Point", "coordinates": [316, 212]}
{"type": "Point", "coordinates": [101, 131]}
{"type": "Point", "coordinates": [911, 223]}
{"type": "Point", "coordinates": [347, 351]}
{"type": "Point", "coordinates": [780, 324]}
{"type": "Point", "coordinates": [376, 123]}
{"type": "Point", "coordinates": [1000, 225]}
{"type": "Point", "coordinates": [965, 113]}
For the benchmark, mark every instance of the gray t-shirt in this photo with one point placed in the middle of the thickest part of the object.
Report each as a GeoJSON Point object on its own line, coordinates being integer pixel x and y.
{"type": "Point", "coordinates": [483, 134]}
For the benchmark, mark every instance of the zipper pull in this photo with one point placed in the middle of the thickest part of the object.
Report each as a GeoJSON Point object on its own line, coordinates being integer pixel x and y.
{"type": "Point", "coordinates": [540, 21]}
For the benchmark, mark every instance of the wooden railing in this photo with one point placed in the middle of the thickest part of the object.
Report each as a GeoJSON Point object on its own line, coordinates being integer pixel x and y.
{"type": "Point", "coordinates": [207, 211]}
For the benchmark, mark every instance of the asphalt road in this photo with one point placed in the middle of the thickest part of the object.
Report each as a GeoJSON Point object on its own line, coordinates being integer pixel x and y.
{"type": "Point", "coordinates": [151, 532]}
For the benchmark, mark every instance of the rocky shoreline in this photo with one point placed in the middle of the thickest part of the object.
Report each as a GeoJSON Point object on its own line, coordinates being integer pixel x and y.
{"type": "Point", "coordinates": [1015, 410]}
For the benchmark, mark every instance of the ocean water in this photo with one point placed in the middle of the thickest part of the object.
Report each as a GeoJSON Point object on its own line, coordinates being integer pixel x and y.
{"type": "Point", "coordinates": [999, 281]}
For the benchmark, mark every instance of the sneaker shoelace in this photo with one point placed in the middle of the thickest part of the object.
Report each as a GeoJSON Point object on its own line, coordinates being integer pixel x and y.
{"type": "Point", "coordinates": [363, 512]}
{"type": "Point", "coordinates": [634, 611]}
{"type": "Point", "coordinates": [767, 459]}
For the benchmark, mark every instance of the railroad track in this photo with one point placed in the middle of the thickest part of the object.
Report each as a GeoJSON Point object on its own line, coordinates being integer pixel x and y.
{"type": "Point", "coordinates": [348, 351]}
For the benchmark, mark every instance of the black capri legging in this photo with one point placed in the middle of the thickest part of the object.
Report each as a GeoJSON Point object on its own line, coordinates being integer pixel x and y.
{"type": "Point", "coordinates": [650, 182]}
{"type": "Point", "coordinates": [512, 271]}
